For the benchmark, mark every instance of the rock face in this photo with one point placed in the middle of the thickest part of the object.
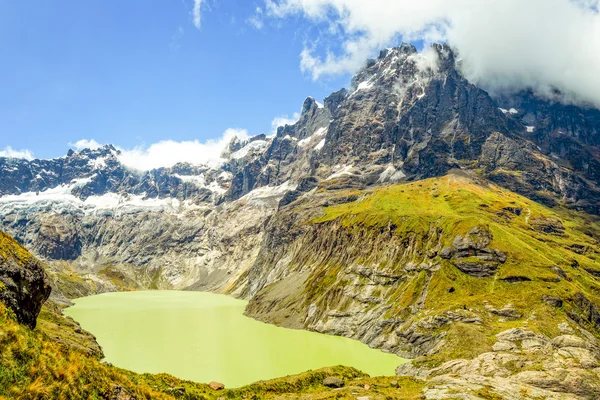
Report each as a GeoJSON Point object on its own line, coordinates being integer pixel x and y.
{"type": "Point", "coordinates": [118, 393]}
{"type": "Point", "coordinates": [24, 285]}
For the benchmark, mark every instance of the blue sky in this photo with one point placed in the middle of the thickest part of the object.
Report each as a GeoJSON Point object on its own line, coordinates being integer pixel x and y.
{"type": "Point", "coordinates": [134, 73]}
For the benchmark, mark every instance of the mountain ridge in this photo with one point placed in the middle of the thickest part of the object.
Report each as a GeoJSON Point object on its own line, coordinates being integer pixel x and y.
{"type": "Point", "coordinates": [395, 101]}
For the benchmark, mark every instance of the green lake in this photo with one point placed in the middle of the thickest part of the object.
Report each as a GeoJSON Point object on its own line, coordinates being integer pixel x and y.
{"type": "Point", "coordinates": [204, 337]}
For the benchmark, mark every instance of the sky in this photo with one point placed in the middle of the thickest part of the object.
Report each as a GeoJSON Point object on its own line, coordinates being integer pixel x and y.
{"type": "Point", "coordinates": [134, 73]}
{"type": "Point", "coordinates": [176, 80]}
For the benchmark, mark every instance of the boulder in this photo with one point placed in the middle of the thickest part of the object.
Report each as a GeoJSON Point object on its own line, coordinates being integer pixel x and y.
{"type": "Point", "coordinates": [333, 382]}
{"type": "Point", "coordinates": [117, 392]}
{"type": "Point", "coordinates": [553, 301]}
{"type": "Point", "coordinates": [508, 312]}
{"type": "Point", "coordinates": [216, 385]}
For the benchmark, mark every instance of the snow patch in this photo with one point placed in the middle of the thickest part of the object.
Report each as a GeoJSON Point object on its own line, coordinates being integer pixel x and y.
{"type": "Point", "coordinates": [61, 199]}
{"type": "Point", "coordinates": [391, 174]}
{"type": "Point", "coordinates": [317, 134]}
{"type": "Point", "coordinates": [98, 163]}
{"type": "Point", "coordinates": [198, 179]}
{"type": "Point", "coordinates": [320, 145]}
{"type": "Point", "coordinates": [132, 203]}
{"type": "Point", "coordinates": [341, 171]}
{"type": "Point", "coordinates": [216, 188]}
{"type": "Point", "coordinates": [269, 192]}
{"type": "Point", "coordinates": [226, 176]}
{"type": "Point", "coordinates": [243, 152]}
{"type": "Point", "coordinates": [80, 182]}
{"type": "Point", "coordinates": [366, 85]}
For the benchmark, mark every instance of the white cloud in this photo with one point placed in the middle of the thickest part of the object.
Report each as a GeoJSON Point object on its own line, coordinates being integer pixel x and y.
{"type": "Point", "coordinates": [196, 13]}
{"type": "Point", "coordinates": [9, 152]}
{"type": "Point", "coordinates": [504, 45]}
{"type": "Point", "coordinates": [256, 20]}
{"type": "Point", "coordinates": [167, 153]}
{"type": "Point", "coordinates": [283, 120]}
{"type": "Point", "coordinates": [85, 144]}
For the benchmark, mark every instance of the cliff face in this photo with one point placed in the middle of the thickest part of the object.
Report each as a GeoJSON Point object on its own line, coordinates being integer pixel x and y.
{"type": "Point", "coordinates": [436, 270]}
{"type": "Point", "coordinates": [366, 264]}
{"type": "Point", "coordinates": [24, 285]}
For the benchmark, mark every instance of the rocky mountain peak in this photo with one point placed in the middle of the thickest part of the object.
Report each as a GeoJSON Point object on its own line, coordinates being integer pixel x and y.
{"type": "Point", "coordinates": [404, 66]}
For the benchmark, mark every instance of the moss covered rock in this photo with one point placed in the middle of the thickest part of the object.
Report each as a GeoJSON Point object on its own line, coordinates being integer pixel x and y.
{"type": "Point", "coordinates": [24, 285]}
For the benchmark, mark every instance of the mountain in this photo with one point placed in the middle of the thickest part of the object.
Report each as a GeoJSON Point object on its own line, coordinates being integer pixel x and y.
{"type": "Point", "coordinates": [413, 211]}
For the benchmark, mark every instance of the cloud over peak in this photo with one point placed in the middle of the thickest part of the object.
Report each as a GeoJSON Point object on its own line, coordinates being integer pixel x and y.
{"type": "Point", "coordinates": [504, 45]}
{"type": "Point", "coordinates": [284, 120]}
{"type": "Point", "coordinates": [85, 144]}
{"type": "Point", "coordinates": [167, 153]}
{"type": "Point", "coordinates": [9, 152]}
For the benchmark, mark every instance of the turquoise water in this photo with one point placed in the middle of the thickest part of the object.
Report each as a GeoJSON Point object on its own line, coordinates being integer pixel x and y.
{"type": "Point", "coordinates": [204, 337]}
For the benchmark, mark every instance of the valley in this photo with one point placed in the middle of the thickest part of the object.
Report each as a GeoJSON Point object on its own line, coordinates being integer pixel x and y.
{"type": "Point", "coordinates": [413, 212]}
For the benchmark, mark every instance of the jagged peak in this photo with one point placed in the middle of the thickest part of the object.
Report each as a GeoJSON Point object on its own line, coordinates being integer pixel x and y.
{"type": "Point", "coordinates": [404, 61]}
{"type": "Point", "coordinates": [106, 151]}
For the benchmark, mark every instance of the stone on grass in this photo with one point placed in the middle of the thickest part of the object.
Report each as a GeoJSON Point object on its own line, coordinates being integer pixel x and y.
{"type": "Point", "coordinates": [333, 382]}
{"type": "Point", "coordinates": [216, 385]}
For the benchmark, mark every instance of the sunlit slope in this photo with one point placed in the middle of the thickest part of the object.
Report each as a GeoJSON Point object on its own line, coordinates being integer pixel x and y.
{"type": "Point", "coordinates": [535, 237]}
{"type": "Point", "coordinates": [458, 243]}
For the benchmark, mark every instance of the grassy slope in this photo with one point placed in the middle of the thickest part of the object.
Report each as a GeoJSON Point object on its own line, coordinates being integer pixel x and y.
{"type": "Point", "coordinates": [33, 366]}
{"type": "Point", "coordinates": [456, 204]}
{"type": "Point", "coordinates": [11, 249]}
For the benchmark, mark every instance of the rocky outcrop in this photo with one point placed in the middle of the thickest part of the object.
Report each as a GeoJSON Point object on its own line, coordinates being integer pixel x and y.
{"type": "Point", "coordinates": [521, 360]}
{"type": "Point", "coordinates": [24, 285]}
{"type": "Point", "coordinates": [333, 382]}
{"type": "Point", "coordinates": [586, 312]}
{"type": "Point", "coordinates": [472, 255]}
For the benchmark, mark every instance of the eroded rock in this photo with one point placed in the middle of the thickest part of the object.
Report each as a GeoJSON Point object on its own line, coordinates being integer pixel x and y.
{"type": "Point", "coordinates": [24, 285]}
{"type": "Point", "coordinates": [471, 253]}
